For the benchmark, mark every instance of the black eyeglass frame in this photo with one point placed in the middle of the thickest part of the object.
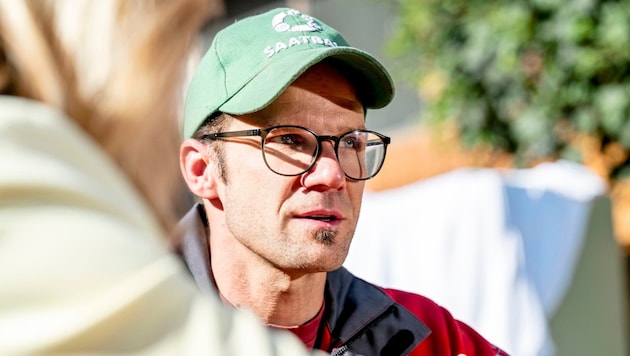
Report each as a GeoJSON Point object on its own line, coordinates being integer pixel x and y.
{"type": "Point", "coordinates": [262, 133]}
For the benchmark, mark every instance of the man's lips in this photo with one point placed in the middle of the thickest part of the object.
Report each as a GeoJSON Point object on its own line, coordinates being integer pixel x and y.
{"type": "Point", "coordinates": [321, 215]}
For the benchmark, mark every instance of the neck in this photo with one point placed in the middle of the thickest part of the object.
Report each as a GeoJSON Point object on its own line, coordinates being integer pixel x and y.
{"type": "Point", "coordinates": [277, 297]}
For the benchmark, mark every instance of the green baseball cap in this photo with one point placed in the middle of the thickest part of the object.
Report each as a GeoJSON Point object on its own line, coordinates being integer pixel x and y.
{"type": "Point", "coordinates": [252, 61]}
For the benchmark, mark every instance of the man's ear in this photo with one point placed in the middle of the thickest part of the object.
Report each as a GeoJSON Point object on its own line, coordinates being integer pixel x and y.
{"type": "Point", "coordinates": [193, 162]}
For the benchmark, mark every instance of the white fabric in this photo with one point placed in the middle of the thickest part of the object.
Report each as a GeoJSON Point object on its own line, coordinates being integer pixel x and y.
{"type": "Point", "coordinates": [464, 239]}
{"type": "Point", "coordinates": [84, 267]}
{"type": "Point", "coordinates": [550, 205]}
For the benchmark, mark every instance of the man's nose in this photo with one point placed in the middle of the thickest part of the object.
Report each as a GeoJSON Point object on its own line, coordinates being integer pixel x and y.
{"type": "Point", "coordinates": [326, 172]}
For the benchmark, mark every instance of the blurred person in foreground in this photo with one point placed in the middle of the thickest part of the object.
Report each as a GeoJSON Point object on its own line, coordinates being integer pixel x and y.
{"type": "Point", "coordinates": [278, 151]}
{"type": "Point", "coordinates": [88, 104]}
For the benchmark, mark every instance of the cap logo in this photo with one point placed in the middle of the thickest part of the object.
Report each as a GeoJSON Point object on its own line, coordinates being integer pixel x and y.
{"type": "Point", "coordinates": [279, 25]}
{"type": "Point", "coordinates": [304, 23]}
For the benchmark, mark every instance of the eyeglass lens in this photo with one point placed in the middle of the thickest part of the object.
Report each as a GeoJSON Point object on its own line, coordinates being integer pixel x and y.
{"type": "Point", "coordinates": [293, 150]}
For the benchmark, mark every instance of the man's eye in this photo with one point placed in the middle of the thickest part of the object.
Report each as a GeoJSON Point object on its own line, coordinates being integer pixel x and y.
{"type": "Point", "coordinates": [351, 142]}
{"type": "Point", "coordinates": [287, 139]}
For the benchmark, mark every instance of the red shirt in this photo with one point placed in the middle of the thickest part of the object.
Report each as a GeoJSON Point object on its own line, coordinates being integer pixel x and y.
{"type": "Point", "coordinates": [308, 331]}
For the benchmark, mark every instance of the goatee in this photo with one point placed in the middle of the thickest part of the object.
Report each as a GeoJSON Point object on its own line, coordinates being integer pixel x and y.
{"type": "Point", "coordinates": [326, 237]}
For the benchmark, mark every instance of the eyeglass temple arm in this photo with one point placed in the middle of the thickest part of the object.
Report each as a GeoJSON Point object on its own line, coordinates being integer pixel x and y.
{"type": "Point", "coordinates": [242, 133]}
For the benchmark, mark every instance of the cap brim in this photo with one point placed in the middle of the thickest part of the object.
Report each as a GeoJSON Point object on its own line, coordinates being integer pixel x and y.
{"type": "Point", "coordinates": [376, 86]}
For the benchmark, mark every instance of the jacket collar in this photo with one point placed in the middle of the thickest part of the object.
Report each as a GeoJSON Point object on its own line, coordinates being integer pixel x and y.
{"type": "Point", "coordinates": [191, 243]}
{"type": "Point", "coordinates": [365, 319]}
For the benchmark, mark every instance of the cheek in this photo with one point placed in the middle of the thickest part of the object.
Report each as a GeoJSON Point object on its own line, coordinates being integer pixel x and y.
{"type": "Point", "coordinates": [354, 199]}
{"type": "Point", "coordinates": [355, 190]}
{"type": "Point", "coordinates": [241, 190]}
{"type": "Point", "coordinates": [257, 190]}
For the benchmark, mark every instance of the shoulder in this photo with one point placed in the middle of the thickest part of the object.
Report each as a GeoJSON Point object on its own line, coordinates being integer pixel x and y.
{"type": "Point", "coordinates": [436, 317]}
{"type": "Point", "coordinates": [447, 333]}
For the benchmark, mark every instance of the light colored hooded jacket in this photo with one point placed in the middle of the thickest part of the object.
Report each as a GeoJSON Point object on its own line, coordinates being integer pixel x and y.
{"type": "Point", "coordinates": [84, 266]}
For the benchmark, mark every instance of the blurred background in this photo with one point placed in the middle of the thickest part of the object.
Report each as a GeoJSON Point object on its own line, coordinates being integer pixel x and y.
{"type": "Point", "coordinates": [507, 86]}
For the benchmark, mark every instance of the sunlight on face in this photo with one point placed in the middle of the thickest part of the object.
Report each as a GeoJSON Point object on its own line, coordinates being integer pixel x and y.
{"type": "Point", "coordinates": [304, 222]}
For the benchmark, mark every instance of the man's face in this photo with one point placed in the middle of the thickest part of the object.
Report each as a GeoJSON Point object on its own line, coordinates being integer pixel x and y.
{"type": "Point", "coordinates": [301, 223]}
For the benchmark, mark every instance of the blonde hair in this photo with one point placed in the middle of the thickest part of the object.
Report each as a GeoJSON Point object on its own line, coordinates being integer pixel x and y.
{"type": "Point", "coordinates": [117, 68]}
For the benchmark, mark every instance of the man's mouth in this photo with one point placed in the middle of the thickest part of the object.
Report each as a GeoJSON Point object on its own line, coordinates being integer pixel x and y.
{"type": "Point", "coordinates": [326, 216]}
{"type": "Point", "coordinates": [321, 217]}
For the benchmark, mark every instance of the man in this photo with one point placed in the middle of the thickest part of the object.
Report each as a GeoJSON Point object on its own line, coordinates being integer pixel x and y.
{"type": "Point", "coordinates": [278, 152]}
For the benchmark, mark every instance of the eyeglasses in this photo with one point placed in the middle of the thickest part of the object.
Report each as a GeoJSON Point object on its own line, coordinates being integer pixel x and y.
{"type": "Point", "coordinates": [292, 150]}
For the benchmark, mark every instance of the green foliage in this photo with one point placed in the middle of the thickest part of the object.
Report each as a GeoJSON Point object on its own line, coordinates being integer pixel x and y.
{"type": "Point", "coordinates": [523, 76]}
